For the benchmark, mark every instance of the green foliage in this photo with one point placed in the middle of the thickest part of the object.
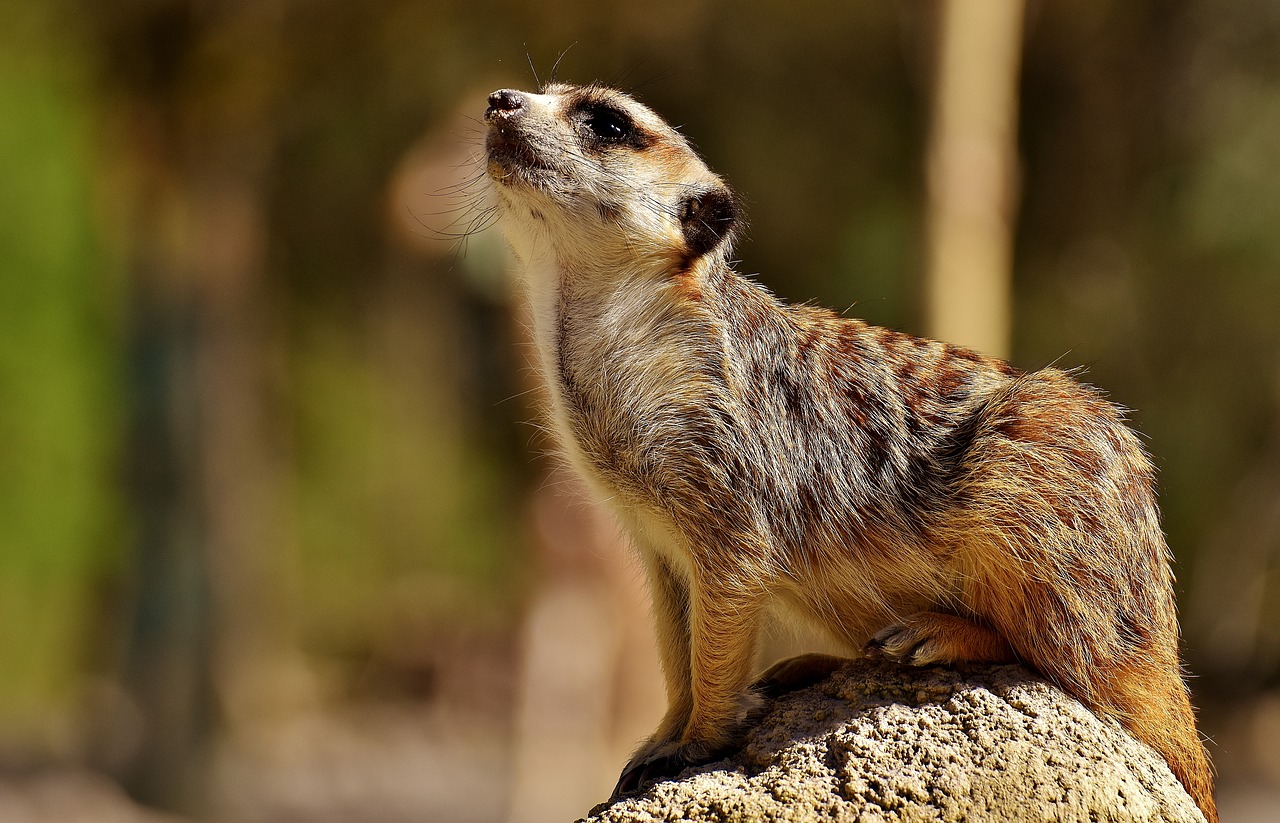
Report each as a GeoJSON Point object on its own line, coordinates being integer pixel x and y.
{"type": "Point", "coordinates": [59, 425]}
{"type": "Point", "coordinates": [396, 486]}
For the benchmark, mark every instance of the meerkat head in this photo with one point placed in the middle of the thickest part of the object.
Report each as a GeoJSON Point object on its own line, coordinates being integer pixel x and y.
{"type": "Point", "coordinates": [593, 177]}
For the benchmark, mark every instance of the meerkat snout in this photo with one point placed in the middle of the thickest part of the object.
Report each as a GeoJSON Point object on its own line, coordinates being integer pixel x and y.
{"type": "Point", "coordinates": [503, 102]}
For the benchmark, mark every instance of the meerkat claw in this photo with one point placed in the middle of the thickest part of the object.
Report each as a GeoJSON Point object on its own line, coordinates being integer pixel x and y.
{"type": "Point", "coordinates": [637, 777]}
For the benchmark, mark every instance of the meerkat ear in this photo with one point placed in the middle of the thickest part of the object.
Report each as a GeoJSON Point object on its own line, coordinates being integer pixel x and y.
{"type": "Point", "coordinates": [708, 219]}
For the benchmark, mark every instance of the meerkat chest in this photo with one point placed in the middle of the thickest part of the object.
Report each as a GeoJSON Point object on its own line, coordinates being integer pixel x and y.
{"type": "Point", "coordinates": [616, 363]}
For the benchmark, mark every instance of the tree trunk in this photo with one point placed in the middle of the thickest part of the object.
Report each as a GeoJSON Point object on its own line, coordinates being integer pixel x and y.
{"type": "Point", "coordinates": [972, 165]}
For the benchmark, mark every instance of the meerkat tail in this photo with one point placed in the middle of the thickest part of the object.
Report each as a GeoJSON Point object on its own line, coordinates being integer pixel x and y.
{"type": "Point", "coordinates": [1152, 703]}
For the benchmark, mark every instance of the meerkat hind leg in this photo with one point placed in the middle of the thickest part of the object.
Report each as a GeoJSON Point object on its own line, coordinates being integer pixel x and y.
{"type": "Point", "coordinates": [795, 673]}
{"type": "Point", "coordinates": [928, 638]}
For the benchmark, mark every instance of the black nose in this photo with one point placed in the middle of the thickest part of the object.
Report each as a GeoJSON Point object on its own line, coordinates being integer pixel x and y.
{"type": "Point", "coordinates": [504, 101]}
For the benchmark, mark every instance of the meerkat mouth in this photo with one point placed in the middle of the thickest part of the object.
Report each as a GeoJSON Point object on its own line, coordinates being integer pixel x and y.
{"type": "Point", "coordinates": [510, 155]}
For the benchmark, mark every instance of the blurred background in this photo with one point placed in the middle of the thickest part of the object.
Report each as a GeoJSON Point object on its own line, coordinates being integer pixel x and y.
{"type": "Point", "coordinates": [279, 537]}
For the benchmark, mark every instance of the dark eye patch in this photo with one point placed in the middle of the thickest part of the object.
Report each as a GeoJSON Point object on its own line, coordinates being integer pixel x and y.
{"type": "Point", "coordinates": [608, 123]}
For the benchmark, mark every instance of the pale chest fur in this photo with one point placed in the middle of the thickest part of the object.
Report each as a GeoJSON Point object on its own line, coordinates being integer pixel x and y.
{"type": "Point", "coordinates": [616, 356]}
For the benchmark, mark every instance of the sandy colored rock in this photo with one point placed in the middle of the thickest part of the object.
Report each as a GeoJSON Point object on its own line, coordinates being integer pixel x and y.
{"type": "Point", "coordinates": [876, 742]}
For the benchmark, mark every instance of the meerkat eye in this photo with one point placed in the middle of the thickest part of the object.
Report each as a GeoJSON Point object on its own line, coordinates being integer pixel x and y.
{"type": "Point", "coordinates": [607, 124]}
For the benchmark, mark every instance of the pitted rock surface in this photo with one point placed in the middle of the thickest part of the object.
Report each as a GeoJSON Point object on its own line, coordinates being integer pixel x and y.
{"type": "Point", "coordinates": [878, 742]}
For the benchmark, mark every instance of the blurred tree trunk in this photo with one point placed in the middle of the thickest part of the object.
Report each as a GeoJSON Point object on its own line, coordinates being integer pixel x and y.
{"type": "Point", "coordinates": [972, 166]}
{"type": "Point", "coordinates": [166, 665]}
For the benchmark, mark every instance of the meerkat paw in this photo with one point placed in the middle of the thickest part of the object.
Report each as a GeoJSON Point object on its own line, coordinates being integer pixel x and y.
{"type": "Point", "coordinates": [656, 762]}
{"type": "Point", "coordinates": [905, 643]}
{"type": "Point", "coordinates": [795, 673]}
{"type": "Point", "coordinates": [929, 638]}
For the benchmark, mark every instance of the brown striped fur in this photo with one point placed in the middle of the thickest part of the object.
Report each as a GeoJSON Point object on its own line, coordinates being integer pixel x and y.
{"type": "Point", "coordinates": [908, 497]}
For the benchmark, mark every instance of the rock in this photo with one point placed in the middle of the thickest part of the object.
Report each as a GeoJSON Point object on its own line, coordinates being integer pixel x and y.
{"type": "Point", "coordinates": [878, 742]}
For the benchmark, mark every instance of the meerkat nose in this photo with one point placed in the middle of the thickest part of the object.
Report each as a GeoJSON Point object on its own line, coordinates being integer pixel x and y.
{"type": "Point", "coordinates": [504, 102]}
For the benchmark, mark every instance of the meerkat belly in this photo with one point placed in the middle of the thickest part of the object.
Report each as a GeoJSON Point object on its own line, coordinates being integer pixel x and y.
{"type": "Point", "coordinates": [853, 591]}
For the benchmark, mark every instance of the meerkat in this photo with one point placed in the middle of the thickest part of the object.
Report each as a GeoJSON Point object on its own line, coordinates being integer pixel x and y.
{"type": "Point", "coordinates": [914, 500]}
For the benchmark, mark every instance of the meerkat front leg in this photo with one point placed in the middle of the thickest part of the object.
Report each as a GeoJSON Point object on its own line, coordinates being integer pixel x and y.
{"type": "Point", "coordinates": [724, 624]}
{"type": "Point", "coordinates": [671, 627]}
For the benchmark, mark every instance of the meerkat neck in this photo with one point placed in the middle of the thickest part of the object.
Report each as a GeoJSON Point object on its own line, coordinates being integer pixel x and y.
{"type": "Point", "coordinates": [553, 277]}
